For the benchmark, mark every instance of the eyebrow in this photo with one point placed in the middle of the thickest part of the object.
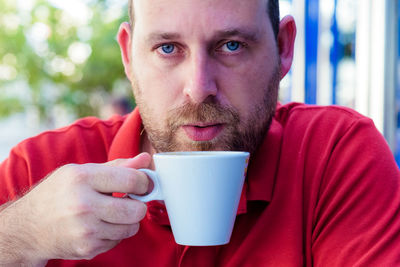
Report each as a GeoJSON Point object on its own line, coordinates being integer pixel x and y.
{"type": "Point", "coordinates": [162, 36]}
{"type": "Point", "coordinates": [247, 34]}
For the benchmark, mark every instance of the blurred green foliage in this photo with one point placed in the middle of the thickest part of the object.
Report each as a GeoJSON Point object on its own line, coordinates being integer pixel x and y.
{"type": "Point", "coordinates": [54, 58]}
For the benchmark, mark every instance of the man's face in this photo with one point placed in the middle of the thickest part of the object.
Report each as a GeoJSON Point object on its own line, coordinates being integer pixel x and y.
{"type": "Point", "coordinates": [205, 74]}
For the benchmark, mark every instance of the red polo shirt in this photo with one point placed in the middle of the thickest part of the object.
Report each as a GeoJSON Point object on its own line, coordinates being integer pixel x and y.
{"type": "Point", "coordinates": [323, 190]}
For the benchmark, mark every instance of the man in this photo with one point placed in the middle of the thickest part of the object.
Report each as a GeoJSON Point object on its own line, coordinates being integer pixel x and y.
{"type": "Point", "coordinates": [322, 186]}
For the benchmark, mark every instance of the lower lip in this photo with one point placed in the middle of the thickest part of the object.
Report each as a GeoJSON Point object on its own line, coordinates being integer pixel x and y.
{"type": "Point", "coordinates": [202, 133]}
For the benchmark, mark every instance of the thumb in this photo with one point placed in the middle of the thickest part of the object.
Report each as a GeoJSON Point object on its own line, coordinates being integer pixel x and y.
{"type": "Point", "coordinates": [143, 160]}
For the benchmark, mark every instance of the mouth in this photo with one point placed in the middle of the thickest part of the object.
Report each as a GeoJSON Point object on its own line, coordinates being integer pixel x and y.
{"type": "Point", "coordinates": [202, 131]}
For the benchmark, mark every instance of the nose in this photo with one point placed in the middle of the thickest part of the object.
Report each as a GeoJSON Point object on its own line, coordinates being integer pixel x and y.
{"type": "Point", "coordinates": [200, 79]}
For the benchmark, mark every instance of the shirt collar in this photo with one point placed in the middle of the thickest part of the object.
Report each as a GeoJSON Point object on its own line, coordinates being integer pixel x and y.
{"type": "Point", "coordinates": [261, 170]}
{"type": "Point", "coordinates": [126, 143]}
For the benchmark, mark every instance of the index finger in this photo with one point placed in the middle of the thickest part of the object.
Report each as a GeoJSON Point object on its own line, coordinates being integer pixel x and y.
{"type": "Point", "coordinates": [110, 179]}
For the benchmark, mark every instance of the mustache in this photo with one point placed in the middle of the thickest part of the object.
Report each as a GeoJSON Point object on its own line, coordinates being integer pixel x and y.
{"type": "Point", "coordinates": [202, 112]}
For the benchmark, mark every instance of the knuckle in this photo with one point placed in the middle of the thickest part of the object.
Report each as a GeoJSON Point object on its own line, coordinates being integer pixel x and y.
{"type": "Point", "coordinates": [132, 182]}
{"type": "Point", "coordinates": [119, 211]}
{"type": "Point", "coordinates": [86, 233]}
{"type": "Point", "coordinates": [78, 173]}
{"type": "Point", "coordinates": [80, 208]}
{"type": "Point", "coordinates": [118, 207]}
{"type": "Point", "coordinates": [115, 162]}
{"type": "Point", "coordinates": [85, 250]}
{"type": "Point", "coordinates": [83, 208]}
{"type": "Point", "coordinates": [78, 205]}
{"type": "Point", "coordinates": [128, 211]}
{"type": "Point", "coordinates": [86, 246]}
{"type": "Point", "coordinates": [139, 182]}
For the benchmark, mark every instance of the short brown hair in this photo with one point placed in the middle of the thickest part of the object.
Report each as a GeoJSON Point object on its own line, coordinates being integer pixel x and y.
{"type": "Point", "coordinates": [272, 10]}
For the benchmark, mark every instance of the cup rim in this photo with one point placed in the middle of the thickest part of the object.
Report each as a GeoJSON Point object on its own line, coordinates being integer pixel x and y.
{"type": "Point", "coordinates": [202, 153]}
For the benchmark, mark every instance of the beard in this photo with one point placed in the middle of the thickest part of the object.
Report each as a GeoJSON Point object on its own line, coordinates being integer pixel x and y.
{"type": "Point", "coordinates": [237, 135]}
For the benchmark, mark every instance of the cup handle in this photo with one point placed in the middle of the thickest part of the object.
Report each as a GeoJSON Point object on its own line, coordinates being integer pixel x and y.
{"type": "Point", "coordinates": [155, 194]}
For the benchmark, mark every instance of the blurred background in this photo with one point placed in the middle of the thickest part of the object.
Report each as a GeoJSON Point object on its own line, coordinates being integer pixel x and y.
{"type": "Point", "coordinates": [59, 60]}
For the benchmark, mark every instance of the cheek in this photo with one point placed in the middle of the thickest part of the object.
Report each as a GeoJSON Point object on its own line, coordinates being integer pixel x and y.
{"type": "Point", "coordinates": [156, 92]}
{"type": "Point", "coordinates": [245, 88]}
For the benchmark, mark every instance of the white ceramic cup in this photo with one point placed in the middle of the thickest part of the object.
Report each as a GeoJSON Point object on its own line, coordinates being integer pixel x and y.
{"type": "Point", "coordinates": [201, 191]}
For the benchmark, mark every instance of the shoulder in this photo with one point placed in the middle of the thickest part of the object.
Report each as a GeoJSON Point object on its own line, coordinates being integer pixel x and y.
{"type": "Point", "coordinates": [323, 123]}
{"type": "Point", "coordinates": [83, 134]}
{"type": "Point", "coordinates": [86, 140]}
{"type": "Point", "coordinates": [307, 114]}
{"type": "Point", "coordinates": [88, 124]}
{"type": "Point", "coordinates": [345, 171]}
{"type": "Point", "coordinates": [331, 136]}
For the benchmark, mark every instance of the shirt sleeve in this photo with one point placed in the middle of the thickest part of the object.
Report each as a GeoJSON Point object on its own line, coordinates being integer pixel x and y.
{"type": "Point", "coordinates": [356, 219]}
{"type": "Point", "coordinates": [87, 140]}
{"type": "Point", "coordinates": [13, 177]}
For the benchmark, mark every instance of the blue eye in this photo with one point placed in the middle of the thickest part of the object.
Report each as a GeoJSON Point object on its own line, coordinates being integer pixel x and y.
{"type": "Point", "coordinates": [168, 48]}
{"type": "Point", "coordinates": [232, 45]}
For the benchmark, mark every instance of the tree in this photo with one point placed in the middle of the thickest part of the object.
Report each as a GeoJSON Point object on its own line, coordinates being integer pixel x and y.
{"type": "Point", "coordinates": [60, 59]}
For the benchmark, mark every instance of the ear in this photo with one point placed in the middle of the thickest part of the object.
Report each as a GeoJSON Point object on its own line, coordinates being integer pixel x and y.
{"type": "Point", "coordinates": [286, 37]}
{"type": "Point", "coordinates": [124, 40]}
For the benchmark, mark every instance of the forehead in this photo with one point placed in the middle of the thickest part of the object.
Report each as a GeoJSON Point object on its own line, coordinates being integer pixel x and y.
{"type": "Point", "coordinates": [192, 15]}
